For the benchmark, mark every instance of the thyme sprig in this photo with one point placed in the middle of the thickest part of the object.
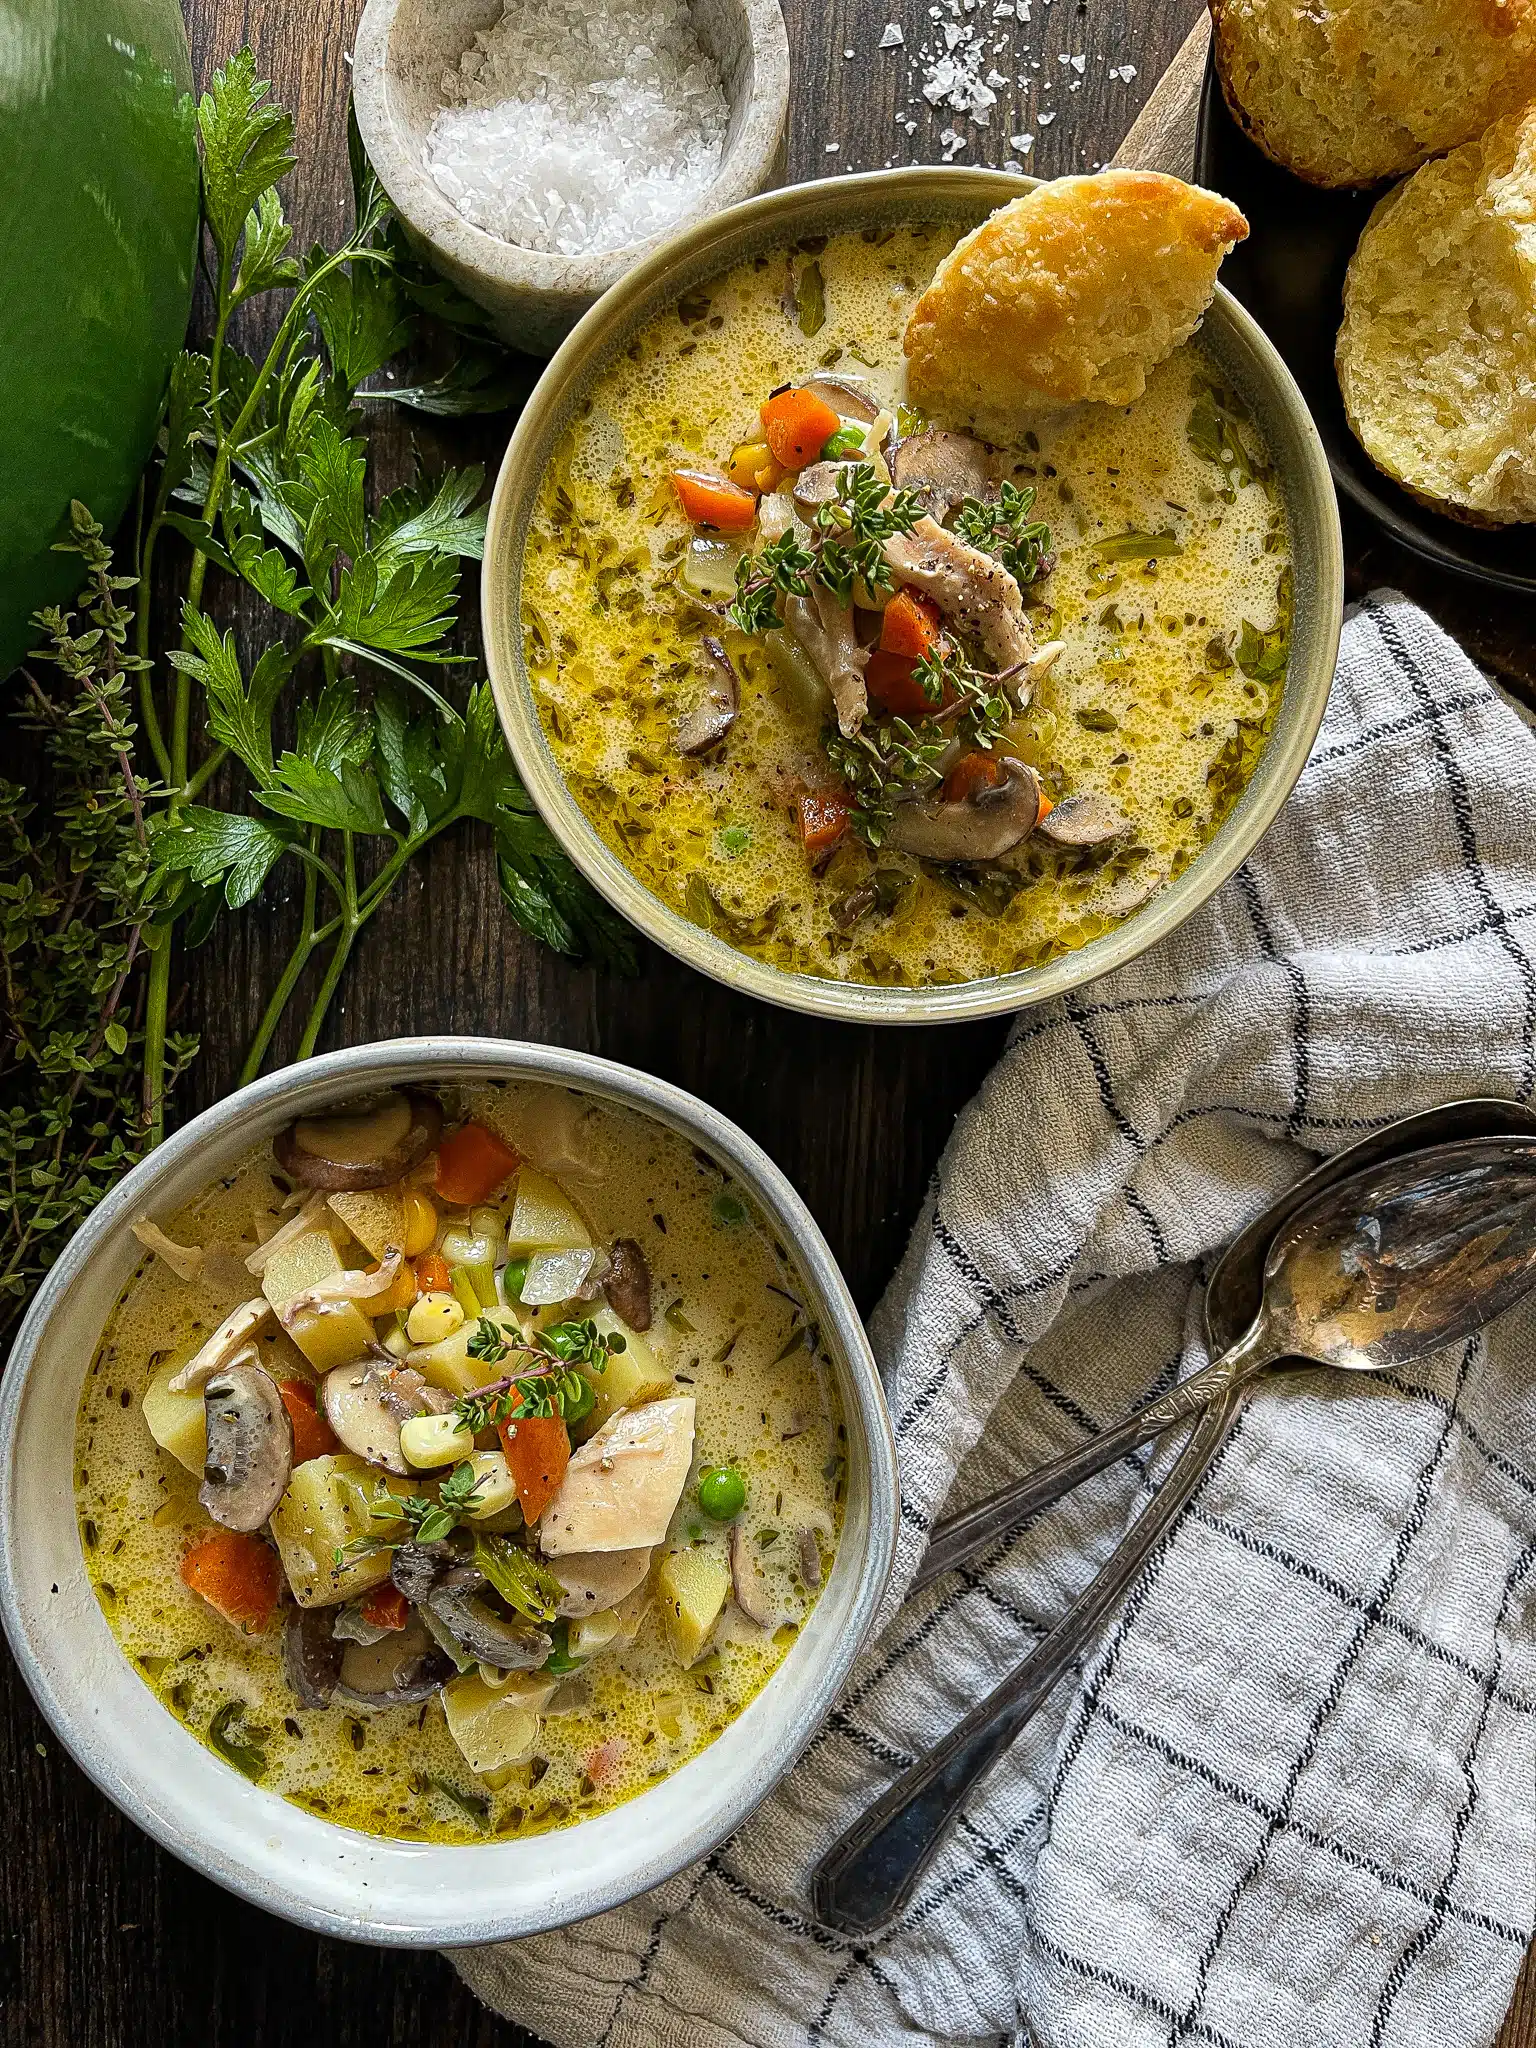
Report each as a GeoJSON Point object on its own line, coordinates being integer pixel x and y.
{"type": "Point", "coordinates": [846, 547]}
{"type": "Point", "coordinates": [422, 1519]}
{"type": "Point", "coordinates": [894, 760]}
{"type": "Point", "coordinates": [1002, 527]}
{"type": "Point", "coordinates": [545, 1389]}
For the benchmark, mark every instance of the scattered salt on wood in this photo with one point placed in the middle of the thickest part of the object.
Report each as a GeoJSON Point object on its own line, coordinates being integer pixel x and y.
{"type": "Point", "coordinates": [576, 130]}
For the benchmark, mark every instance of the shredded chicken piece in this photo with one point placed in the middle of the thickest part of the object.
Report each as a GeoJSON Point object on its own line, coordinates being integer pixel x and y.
{"type": "Point", "coordinates": [969, 587]}
{"type": "Point", "coordinates": [352, 1284]}
{"type": "Point", "coordinates": [823, 625]}
{"type": "Point", "coordinates": [285, 1234]}
{"type": "Point", "coordinates": [184, 1260]}
{"type": "Point", "coordinates": [224, 1346]}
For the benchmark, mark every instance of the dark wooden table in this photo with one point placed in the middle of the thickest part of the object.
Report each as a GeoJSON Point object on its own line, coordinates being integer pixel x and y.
{"type": "Point", "coordinates": [105, 1942]}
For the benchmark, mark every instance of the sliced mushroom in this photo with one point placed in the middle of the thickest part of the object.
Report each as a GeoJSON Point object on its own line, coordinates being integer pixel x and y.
{"type": "Point", "coordinates": [365, 1405]}
{"type": "Point", "coordinates": [823, 625]}
{"type": "Point", "coordinates": [849, 396]}
{"type": "Point", "coordinates": [598, 1579]}
{"type": "Point", "coordinates": [250, 1445]}
{"type": "Point", "coordinates": [402, 1671]}
{"type": "Point", "coordinates": [232, 1336]}
{"type": "Point", "coordinates": [505, 1643]}
{"type": "Point", "coordinates": [817, 485]}
{"type": "Point", "coordinates": [749, 1583]}
{"type": "Point", "coordinates": [416, 1568]}
{"type": "Point", "coordinates": [810, 1558]}
{"type": "Point", "coordinates": [1087, 819]}
{"type": "Point", "coordinates": [621, 1487]}
{"type": "Point", "coordinates": [312, 1655]}
{"type": "Point", "coordinates": [707, 724]}
{"type": "Point", "coordinates": [943, 469]}
{"type": "Point", "coordinates": [982, 827]}
{"type": "Point", "coordinates": [367, 1147]}
{"type": "Point", "coordinates": [977, 594]}
{"type": "Point", "coordinates": [627, 1283]}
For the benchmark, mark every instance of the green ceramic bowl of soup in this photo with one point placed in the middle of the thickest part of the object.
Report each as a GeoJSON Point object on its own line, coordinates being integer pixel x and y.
{"type": "Point", "coordinates": [456, 1610]}
{"type": "Point", "coordinates": [1192, 580]}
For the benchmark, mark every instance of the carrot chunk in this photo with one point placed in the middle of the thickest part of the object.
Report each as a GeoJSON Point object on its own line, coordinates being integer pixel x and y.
{"type": "Point", "coordinates": [313, 1436]}
{"type": "Point", "coordinates": [386, 1607]}
{"type": "Point", "coordinates": [432, 1274]}
{"type": "Point", "coordinates": [824, 817]}
{"type": "Point", "coordinates": [909, 625]}
{"type": "Point", "coordinates": [891, 680]}
{"type": "Point", "coordinates": [797, 426]}
{"type": "Point", "coordinates": [972, 772]}
{"type": "Point", "coordinates": [239, 1576]}
{"type": "Point", "coordinates": [538, 1449]}
{"type": "Point", "coordinates": [714, 501]}
{"type": "Point", "coordinates": [472, 1163]}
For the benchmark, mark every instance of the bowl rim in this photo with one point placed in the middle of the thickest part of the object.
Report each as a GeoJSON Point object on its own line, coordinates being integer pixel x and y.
{"type": "Point", "coordinates": [108, 1761]}
{"type": "Point", "coordinates": [744, 164]}
{"type": "Point", "coordinates": [858, 1002]}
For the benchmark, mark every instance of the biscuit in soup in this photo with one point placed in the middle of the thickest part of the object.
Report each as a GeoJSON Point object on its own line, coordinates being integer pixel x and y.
{"type": "Point", "coordinates": [1437, 352]}
{"type": "Point", "coordinates": [1074, 291]}
{"type": "Point", "coordinates": [1348, 92]}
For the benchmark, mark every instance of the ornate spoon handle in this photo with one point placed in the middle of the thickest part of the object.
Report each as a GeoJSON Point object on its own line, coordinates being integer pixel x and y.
{"type": "Point", "coordinates": [866, 1878]}
{"type": "Point", "coordinates": [976, 1528]}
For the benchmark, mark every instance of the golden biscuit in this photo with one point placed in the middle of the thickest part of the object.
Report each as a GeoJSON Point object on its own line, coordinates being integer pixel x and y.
{"type": "Point", "coordinates": [1437, 353]}
{"type": "Point", "coordinates": [1074, 291]}
{"type": "Point", "coordinates": [1347, 92]}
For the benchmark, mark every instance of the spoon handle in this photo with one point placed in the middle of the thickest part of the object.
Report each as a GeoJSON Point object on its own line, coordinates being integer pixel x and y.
{"type": "Point", "coordinates": [976, 1528]}
{"type": "Point", "coordinates": [868, 1875]}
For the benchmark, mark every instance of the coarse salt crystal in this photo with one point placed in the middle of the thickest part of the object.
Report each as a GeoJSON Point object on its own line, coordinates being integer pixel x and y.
{"type": "Point", "coordinates": [891, 37]}
{"type": "Point", "coordinates": [573, 135]}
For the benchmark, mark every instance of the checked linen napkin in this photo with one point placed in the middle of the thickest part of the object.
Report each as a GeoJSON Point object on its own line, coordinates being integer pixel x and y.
{"type": "Point", "coordinates": [1289, 1801]}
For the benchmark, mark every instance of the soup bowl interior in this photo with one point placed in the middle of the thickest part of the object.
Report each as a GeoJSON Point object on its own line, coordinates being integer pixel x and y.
{"type": "Point", "coordinates": [293, 1863]}
{"type": "Point", "coordinates": [952, 196]}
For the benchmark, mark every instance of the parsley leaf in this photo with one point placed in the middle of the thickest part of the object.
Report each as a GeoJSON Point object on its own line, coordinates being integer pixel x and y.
{"type": "Point", "coordinates": [247, 145]}
{"type": "Point", "coordinates": [220, 846]}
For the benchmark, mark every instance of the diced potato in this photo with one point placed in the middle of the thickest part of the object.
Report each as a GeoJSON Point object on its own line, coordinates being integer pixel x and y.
{"type": "Point", "coordinates": [448, 1363]}
{"type": "Point", "coordinates": [326, 1508]}
{"type": "Point", "coordinates": [373, 1215]}
{"type": "Point", "coordinates": [691, 1587]}
{"type": "Point", "coordinates": [496, 1725]}
{"type": "Point", "coordinates": [543, 1219]}
{"type": "Point", "coordinates": [627, 1371]}
{"type": "Point", "coordinates": [339, 1335]}
{"type": "Point", "coordinates": [176, 1421]}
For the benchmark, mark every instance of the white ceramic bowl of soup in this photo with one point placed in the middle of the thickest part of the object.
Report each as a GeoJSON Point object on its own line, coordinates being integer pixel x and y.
{"type": "Point", "coordinates": [769, 226]}
{"type": "Point", "coordinates": [326, 1877]}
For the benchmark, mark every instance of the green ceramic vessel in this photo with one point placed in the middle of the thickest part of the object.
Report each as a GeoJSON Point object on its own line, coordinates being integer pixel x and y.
{"type": "Point", "coordinates": [98, 225]}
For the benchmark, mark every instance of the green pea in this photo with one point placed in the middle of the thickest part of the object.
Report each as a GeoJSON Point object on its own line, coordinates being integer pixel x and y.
{"type": "Point", "coordinates": [722, 1492]}
{"type": "Point", "coordinates": [513, 1274]}
{"type": "Point", "coordinates": [846, 445]}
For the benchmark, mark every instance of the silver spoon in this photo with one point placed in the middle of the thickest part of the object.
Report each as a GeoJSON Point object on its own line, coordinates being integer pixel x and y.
{"type": "Point", "coordinates": [1411, 1200]}
{"type": "Point", "coordinates": [871, 1872]}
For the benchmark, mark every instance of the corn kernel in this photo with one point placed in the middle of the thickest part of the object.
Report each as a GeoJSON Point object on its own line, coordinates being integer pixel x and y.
{"type": "Point", "coordinates": [746, 461]}
{"type": "Point", "coordinates": [432, 1318]}
{"type": "Point", "coordinates": [419, 1222]}
{"type": "Point", "coordinates": [495, 1488]}
{"type": "Point", "coordinates": [429, 1440]}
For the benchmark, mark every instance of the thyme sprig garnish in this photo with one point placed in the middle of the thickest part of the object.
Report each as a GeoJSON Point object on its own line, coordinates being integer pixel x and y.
{"type": "Point", "coordinates": [545, 1389]}
{"type": "Point", "coordinates": [893, 760]}
{"type": "Point", "coordinates": [846, 547]}
{"type": "Point", "coordinates": [422, 1519]}
{"type": "Point", "coordinates": [1002, 527]}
